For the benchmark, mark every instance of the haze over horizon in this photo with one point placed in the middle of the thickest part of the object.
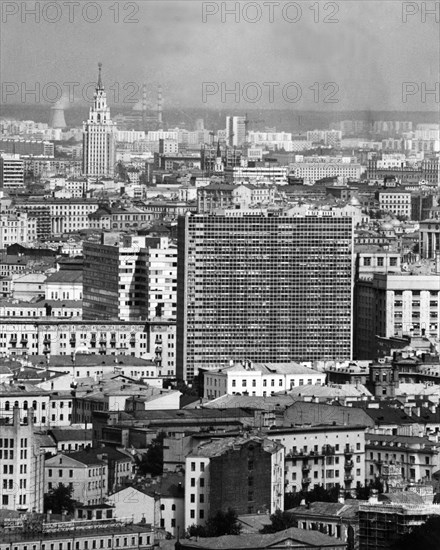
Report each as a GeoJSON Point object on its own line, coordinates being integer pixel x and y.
{"type": "Point", "coordinates": [347, 56]}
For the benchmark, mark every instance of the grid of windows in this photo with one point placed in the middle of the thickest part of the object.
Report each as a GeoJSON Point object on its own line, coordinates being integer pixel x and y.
{"type": "Point", "coordinates": [272, 288]}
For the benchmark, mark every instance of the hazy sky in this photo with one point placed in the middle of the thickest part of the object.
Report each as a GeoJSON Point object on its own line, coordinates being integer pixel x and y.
{"type": "Point", "coordinates": [360, 61]}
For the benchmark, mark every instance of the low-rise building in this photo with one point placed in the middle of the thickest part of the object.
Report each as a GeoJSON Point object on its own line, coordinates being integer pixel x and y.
{"type": "Point", "coordinates": [415, 458]}
{"type": "Point", "coordinates": [243, 473]}
{"type": "Point", "coordinates": [258, 379]}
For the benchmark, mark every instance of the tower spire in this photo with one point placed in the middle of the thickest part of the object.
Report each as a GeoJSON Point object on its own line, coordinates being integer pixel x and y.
{"type": "Point", "coordinates": [100, 86]}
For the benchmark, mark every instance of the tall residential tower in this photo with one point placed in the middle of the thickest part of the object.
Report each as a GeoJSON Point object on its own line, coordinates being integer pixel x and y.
{"type": "Point", "coordinates": [264, 286]}
{"type": "Point", "coordinates": [99, 137]}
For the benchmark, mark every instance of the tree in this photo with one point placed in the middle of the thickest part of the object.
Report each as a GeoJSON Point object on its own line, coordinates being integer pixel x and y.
{"type": "Point", "coordinates": [59, 500]}
{"type": "Point", "coordinates": [279, 522]}
{"type": "Point", "coordinates": [426, 536]}
{"type": "Point", "coordinates": [152, 461]}
{"type": "Point", "coordinates": [222, 523]}
{"type": "Point", "coordinates": [317, 494]}
{"type": "Point", "coordinates": [363, 492]}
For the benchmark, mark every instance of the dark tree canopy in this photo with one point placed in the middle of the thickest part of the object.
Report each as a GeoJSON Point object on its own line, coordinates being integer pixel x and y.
{"type": "Point", "coordinates": [222, 523]}
{"type": "Point", "coordinates": [59, 500]}
{"type": "Point", "coordinates": [152, 461]}
{"type": "Point", "coordinates": [279, 522]}
{"type": "Point", "coordinates": [426, 536]}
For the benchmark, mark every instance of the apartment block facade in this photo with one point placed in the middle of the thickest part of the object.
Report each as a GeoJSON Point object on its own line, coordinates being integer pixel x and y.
{"type": "Point", "coordinates": [21, 463]}
{"type": "Point", "coordinates": [263, 287]}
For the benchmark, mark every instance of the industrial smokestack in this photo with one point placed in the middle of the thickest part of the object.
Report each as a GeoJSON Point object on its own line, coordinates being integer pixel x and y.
{"type": "Point", "coordinates": [57, 113]}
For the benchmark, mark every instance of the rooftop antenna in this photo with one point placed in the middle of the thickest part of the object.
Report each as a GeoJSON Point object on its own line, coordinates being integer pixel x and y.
{"type": "Point", "coordinates": [144, 106]}
{"type": "Point", "coordinates": [159, 104]}
{"type": "Point", "coordinates": [100, 86]}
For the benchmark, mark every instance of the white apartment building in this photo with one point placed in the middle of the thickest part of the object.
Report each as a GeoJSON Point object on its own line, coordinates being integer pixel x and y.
{"type": "Point", "coordinates": [264, 138]}
{"type": "Point", "coordinates": [260, 380]}
{"type": "Point", "coordinates": [66, 215]}
{"type": "Point", "coordinates": [84, 472]}
{"type": "Point", "coordinates": [47, 410]}
{"type": "Point", "coordinates": [17, 228]}
{"type": "Point", "coordinates": [328, 137]}
{"type": "Point", "coordinates": [235, 130]}
{"type": "Point", "coordinates": [396, 201]}
{"type": "Point", "coordinates": [133, 280]}
{"type": "Point", "coordinates": [130, 136]}
{"type": "Point", "coordinates": [11, 171]}
{"type": "Point", "coordinates": [155, 340]}
{"type": "Point", "coordinates": [156, 135]}
{"type": "Point", "coordinates": [322, 455]}
{"type": "Point", "coordinates": [272, 174]}
{"type": "Point", "coordinates": [312, 169]}
{"type": "Point", "coordinates": [22, 466]}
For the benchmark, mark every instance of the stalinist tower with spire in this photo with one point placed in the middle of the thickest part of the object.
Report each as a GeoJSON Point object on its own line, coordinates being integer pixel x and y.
{"type": "Point", "coordinates": [99, 137]}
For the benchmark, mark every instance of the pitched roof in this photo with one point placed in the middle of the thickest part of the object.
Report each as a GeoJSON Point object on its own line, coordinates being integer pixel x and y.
{"type": "Point", "coordinates": [65, 276]}
{"type": "Point", "coordinates": [217, 447]}
{"type": "Point", "coordinates": [257, 541]}
{"type": "Point", "coordinates": [70, 434]}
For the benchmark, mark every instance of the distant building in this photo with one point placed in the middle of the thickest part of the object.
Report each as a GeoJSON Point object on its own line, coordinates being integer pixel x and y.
{"type": "Point", "coordinates": [99, 137]}
{"type": "Point", "coordinates": [249, 378]}
{"type": "Point", "coordinates": [11, 171]}
{"type": "Point", "coordinates": [235, 130]}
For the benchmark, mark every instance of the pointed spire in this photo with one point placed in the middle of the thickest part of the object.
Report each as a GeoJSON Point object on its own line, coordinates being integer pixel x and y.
{"type": "Point", "coordinates": [100, 86]}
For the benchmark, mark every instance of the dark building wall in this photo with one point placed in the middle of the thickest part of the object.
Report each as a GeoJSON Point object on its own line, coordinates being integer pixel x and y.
{"type": "Point", "coordinates": [241, 479]}
{"type": "Point", "coordinates": [100, 282]}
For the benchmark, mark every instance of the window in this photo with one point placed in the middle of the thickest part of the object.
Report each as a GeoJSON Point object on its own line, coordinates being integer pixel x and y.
{"type": "Point", "coordinates": [193, 466]}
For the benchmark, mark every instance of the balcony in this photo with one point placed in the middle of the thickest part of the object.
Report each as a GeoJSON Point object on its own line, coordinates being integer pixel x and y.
{"type": "Point", "coordinates": [328, 450]}
{"type": "Point", "coordinates": [348, 478]}
{"type": "Point", "coordinates": [348, 451]}
{"type": "Point", "coordinates": [306, 480]}
{"type": "Point", "coordinates": [306, 468]}
{"type": "Point", "coordinates": [348, 465]}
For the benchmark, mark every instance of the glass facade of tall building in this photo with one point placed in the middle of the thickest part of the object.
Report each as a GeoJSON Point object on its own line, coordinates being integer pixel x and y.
{"type": "Point", "coordinates": [268, 288]}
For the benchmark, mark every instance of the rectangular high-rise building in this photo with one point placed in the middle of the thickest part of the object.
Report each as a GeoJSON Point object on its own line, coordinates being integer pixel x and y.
{"type": "Point", "coordinates": [263, 286]}
{"type": "Point", "coordinates": [130, 278]}
{"type": "Point", "coordinates": [235, 130]}
{"type": "Point", "coordinates": [11, 171]}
